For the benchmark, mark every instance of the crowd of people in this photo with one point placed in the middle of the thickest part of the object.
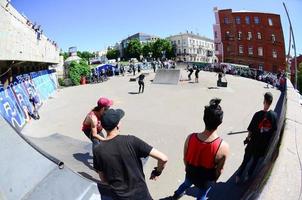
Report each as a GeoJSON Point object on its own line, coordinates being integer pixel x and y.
{"type": "Point", "coordinates": [275, 80]}
{"type": "Point", "coordinates": [117, 157]}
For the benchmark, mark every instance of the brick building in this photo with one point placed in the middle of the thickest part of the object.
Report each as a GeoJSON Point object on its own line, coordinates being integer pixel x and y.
{"type": "Point", "coordinates": [249, 38]}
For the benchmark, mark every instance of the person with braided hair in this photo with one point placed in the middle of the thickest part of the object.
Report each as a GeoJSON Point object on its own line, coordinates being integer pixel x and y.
{"type": "Point", "coordinates": [204, 154]}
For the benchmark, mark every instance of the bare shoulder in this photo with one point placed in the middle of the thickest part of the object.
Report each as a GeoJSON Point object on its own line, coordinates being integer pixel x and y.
{"type": "Point", "coordinates": [223, 150]}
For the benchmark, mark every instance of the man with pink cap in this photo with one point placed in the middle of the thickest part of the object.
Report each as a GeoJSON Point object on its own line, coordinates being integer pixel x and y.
{"type": "Point", "coordinates": [91, 125]}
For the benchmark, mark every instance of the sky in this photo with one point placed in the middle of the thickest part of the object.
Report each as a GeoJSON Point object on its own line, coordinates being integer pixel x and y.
{"type": "Point", "coordinates": [92, 25]}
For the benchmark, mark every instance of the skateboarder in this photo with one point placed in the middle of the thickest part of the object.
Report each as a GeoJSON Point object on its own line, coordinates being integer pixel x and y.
{"type": "Point", "coordinates": [34, 101]}
{"type": "Point", "coordinates": [197, 70]}
{"type": "Point", "coordinates": [141, 83]}
{"type": "Point", "coordinates": [190, 70]}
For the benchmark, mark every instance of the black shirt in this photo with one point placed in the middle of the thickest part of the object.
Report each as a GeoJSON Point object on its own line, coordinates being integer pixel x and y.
{"type": "Point", "coordinates": [141, 78]}
{"type": "Point", "coordinates": [119, 160]}
{"type": "Point", "coordinates": [262, 127]}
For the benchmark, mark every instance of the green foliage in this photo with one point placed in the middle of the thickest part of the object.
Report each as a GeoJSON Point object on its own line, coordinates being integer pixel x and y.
{"type": "Point", "coordinates": [134, 49]}
{"type": "Point", "coordinates": [61, 81]}
{"type": "Point", "coordinates": [147, 49]}
{"type": "Point", "coordinates": [163, 47]}
{"type": "Point", "coordinates": [64, 54]}
{"type": "Point", "coordinates": [76, 70]}
{"type": "Point", "coordinates": [113, 54]}
{"type": "Point", "coordinates": [85, 55]}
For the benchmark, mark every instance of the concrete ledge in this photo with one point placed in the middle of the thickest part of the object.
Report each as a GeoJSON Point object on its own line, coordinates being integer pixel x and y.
{"type": "Point", "coordinates": [285, 179]}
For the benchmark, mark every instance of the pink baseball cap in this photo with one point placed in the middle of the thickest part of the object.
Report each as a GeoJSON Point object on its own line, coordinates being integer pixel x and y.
{"type": "Point", "coordinates": [104, 102]}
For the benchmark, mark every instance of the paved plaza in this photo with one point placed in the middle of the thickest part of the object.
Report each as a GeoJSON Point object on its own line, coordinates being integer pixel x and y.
{"type": "Point", "coordinates": [163, 116]}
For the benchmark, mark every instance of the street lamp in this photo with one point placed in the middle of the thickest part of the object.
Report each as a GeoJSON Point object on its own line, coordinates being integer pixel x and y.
{"type": "Point", "coordinates": [292, 33]}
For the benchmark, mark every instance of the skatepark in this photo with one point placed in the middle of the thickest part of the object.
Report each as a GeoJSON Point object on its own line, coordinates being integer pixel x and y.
{"type": "Point", "coordinates": [163, 116]}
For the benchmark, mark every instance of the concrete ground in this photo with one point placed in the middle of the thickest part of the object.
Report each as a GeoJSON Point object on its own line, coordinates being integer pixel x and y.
{"type": "Point", "coordinates": [163, 116]}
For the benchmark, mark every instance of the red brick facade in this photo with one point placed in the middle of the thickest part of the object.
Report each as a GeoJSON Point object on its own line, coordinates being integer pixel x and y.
{"type": "Point", "coordinates": [251, 38]}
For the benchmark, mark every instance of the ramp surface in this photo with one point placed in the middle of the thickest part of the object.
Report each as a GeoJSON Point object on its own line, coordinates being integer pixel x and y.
{"type": "Point", "coordinates": [167, 76]}
{"type": "Point", "coordinates": [27, 174]}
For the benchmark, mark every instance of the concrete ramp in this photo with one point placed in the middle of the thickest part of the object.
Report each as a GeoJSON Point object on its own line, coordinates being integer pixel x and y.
{"type": "Point", "coordinates": [29, 173]}
{"type": "Point", "coordinates": [167, 76]}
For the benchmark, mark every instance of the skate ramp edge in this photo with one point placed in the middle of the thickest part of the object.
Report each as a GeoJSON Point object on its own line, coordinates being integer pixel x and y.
{"type": "Point", "coordinates": [28, 174]}
{"type": "Point", "coordinates": [167, 76]}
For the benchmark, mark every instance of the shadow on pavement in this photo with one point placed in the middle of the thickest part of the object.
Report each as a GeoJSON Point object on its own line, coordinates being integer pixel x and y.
{"type": "Point", "coordinates": [84, 158]}
{"type": "Point", "coordinates": [133, 93]}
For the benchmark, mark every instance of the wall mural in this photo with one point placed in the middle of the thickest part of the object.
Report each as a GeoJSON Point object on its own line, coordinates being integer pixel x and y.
{"type": "Point", "coordinates": [14, 99]}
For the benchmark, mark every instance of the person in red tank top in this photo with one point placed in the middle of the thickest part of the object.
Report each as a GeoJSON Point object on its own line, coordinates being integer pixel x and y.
{"type": "Point", "coordinates": [92, 125]}
{"type": "Point", "coordinates": [204, 154]}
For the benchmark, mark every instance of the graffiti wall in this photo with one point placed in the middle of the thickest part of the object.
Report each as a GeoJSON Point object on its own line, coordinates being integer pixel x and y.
{"type": "Point", "coordinates": [15, 99]}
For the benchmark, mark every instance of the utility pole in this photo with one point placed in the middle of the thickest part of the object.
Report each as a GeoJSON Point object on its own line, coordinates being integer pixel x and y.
{"type": "Point", "coordinates": [292, 34]}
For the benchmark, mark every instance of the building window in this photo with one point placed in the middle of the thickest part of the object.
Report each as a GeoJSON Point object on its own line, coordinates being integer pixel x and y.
{"type": "Point", "coordinates": [227, 35]}
{"type": "Point", "coordinates": [260, 51]}
{"type": "Point", "coordinates": [178, 41]}
{"type": "Point", "coordinates": [273, 38]}
{"type": "Point", "coordinates": [215, 33]}
{"type": "Point", "coordinates": [179, 51]}
{"type": "Point", "coordinates": [184, 42]}
{"type": "Point", "coordinates": [260, 67]}
{"type": "Point", "coordinates": [216, 47]}
{"type": "Point", "coordinates": [239, 35]}
{"type": "Point", "coordinates": [274, 53]}
{"type": "Point", "coordinates": [247, 20]}
{"type": "Point", "coordinates": [270, 21]}
{"type": "Point", "coordinates": [259, 36]}
{"type": "Point", "coordinates": [226, 20]}
{"type": "Point", "coordinates": [249, 35]}
{"type": "Point", "coordinates": [256, 20]}
{"type": "Point", "coordinates": [251, 51]}
{"type": "Point", "coordinates": [241, 49]}
{"type": "Point", "coordinates": [238, 20]}
{"type": "Point", "coordinates": [185, 51]}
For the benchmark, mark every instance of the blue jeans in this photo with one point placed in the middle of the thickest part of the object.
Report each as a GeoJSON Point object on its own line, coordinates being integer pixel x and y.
{"type": "Point", "coordinates": [202, 192]}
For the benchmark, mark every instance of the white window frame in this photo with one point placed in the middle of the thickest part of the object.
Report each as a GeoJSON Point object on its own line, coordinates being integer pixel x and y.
{"type": "Point", "coordinates": [249, 35]}
{"type": "Point", "coordinates": [260, 51]}
{"type": "Point", "coordinates": [241, 50]}
{"type": "Point", "coordinates": [250, 51]}
{"type": "Point", "coordinates": [274, 53]}
{"type": "Point", "coordinates": [259, 36]}
{"type": "Point", "coordinates": [270, 22]}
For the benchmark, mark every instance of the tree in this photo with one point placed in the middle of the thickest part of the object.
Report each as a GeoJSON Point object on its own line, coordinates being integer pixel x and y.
{"type": "Point", "coordinates": [85, 55]}
{"type": "Point", "coordinates": [64, 54]}
{"type": "Point", "coordinates": [134, 49]}
{"type": "Point", "coordinates": [147, 49]}
{"type": "Point", "coordinates": [113, 54]}
{"type": "Point", "coordinates": [76, 70]}
{"type": "Point", "coordinates": [163, 47]}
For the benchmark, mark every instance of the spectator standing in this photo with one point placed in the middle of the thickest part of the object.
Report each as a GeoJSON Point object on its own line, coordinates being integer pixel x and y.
{"type": "Point", "coordinates": [92, 127]}
{"type": "Point", "coordinates": [118, 160]}
{"type": "Point", "coordinates": [261, 129]}
{"type": "Point", "coordinates": [204, 154]}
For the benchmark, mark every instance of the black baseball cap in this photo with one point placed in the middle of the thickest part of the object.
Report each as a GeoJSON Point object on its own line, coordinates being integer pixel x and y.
{"type": "Point", "coordinates": [111, 118]}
